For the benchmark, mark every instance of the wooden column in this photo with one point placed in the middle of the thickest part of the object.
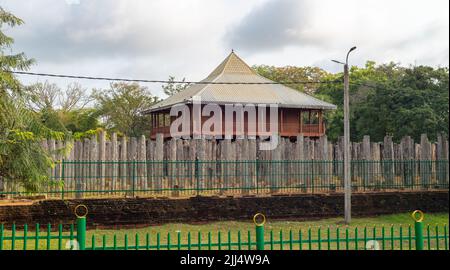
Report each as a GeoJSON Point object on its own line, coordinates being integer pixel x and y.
{"type": "Point", "coordinates": [114, 158]}
{"type": "Point", "coordinates": [101, 157]}
{"type": "Point", "coordinates": [123, 167]}
{"type": "Point", "coordinates": [425, 161]}
{"type": "Point", "coordinates": [159, 156]}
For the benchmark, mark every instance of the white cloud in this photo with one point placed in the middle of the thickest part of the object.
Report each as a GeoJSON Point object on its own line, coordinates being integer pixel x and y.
{"type": "Point", "coordinates": [402, 31]}
{"type": "Point", "coordinates": [158, 38]}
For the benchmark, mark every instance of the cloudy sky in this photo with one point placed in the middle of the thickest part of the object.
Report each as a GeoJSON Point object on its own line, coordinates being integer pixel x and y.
{"type": "Point", "coordinates": [152, 39]}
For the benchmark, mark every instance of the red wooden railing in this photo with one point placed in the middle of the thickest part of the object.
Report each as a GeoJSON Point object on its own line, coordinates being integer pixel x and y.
{"type": "Point", "coordinates": [313, 130]}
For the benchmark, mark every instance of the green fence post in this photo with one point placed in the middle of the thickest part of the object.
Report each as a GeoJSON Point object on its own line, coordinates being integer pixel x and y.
{"type": "Point", "coordinates": [62, 178]}
{"type": "Point", "coordinates": [81, 225]}
{"type": "Point", "coordinates": [133, 179]}
{"type": "Point", "coordinates": [197, 175]}
{"type": "Point", "coordinates": [418, 226]}
{"type": "Point", "coordinates": [1, 236]}
{"type": "Point", "coordinates": [259, 231]}
{"type": "Point", "coordinates": [257, 175]}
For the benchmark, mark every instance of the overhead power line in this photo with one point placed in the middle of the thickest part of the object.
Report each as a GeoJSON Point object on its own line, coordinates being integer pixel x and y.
{"type": "Point", "coordinates": [161, 81]}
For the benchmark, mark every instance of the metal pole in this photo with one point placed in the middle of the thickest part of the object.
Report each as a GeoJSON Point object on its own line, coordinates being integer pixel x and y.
{"type": "Point", "coordinates": [62, 179]}
{"type": "Point", "coordinates": [259, 229]}
{"type": "Point", "coordinates": [197, 176]}
{"type": "Point", "coordinates": [81, 232]}
{"type": "Point", "coordinates": [260, 237]}
{"type": "Point", "coordinates": [418, 228]}
{"type": "Point", "coordinates": [347, 176]}
{"type": "Point", "coordinates": [133, 179]}
{"type": "Point", "coordinates": [81, 225]}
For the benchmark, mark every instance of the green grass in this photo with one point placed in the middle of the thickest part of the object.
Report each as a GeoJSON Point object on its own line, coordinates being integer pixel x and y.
{"type": "Point", "coordinates": [398, 224]}
{"type": "Point", "coordinates": [234, 226]}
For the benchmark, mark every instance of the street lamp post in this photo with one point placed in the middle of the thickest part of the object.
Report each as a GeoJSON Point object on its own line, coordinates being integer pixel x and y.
{"type": "Point", "coordinates": [347, 175]}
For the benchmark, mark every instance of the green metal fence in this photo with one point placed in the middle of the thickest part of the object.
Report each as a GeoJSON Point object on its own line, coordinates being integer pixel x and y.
{"type": "Point", "coordinates": [405, 237]}
{"type": "Point", "coordinates": [221, 177]}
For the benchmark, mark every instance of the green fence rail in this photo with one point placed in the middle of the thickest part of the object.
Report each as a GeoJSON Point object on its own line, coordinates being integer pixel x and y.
{"type": "Point", "coordinates": [220, 177]}
{"type": "Point", "coordinates": [402, 237]}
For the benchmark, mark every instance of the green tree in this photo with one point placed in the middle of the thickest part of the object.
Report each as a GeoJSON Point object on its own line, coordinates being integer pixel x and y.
{"type": "Point", "coordinates": [121, 107]}
{"type": "Point", "coordinates": [81, 120]}
{"type": "Point", "coordinates": [384, 99]}
{"type": "Point", "coordinates": [294, 74]}
{"type": "Point", "coordinates": [417, 102]}
{"type": "Point", "coordinates": [390, 99]}
{"type": "Point", "coordinates": [171, 88]}
{"type": "Point", "coordinates": [62, 110]}
{"type": "Point", "coordinates": [23, 161]}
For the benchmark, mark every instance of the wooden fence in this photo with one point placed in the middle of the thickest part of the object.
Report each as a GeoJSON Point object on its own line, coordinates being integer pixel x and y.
{"type": "Point", "coordinates": [151, 171]}
{"type": "Point", "coordinates": [100, 148]}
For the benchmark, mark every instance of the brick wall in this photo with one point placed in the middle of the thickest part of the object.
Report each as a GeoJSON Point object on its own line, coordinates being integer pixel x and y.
{"type": "Point", "coordinates": [145, 211]}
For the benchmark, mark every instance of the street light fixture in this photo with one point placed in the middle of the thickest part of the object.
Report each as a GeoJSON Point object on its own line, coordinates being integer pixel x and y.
{"type": "Point", "coordinates": [339, 62]}
{"type": "Point", "coordinates": [347, 175]}
{"type": "Point", "coordinates": [351, 49]}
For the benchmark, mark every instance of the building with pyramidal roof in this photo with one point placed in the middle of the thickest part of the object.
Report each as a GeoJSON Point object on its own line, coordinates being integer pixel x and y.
{"type": "Point", "coordinates": [298, 113]}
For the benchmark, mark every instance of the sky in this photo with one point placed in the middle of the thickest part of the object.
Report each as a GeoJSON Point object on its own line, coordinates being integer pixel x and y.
{"type": "Point", "coordinates": [154, 39]}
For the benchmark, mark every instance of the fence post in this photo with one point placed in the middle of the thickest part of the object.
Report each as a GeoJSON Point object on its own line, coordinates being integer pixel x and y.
{"type": "Point", "coordinates": [259, 231]}
{"type": "Point", "coordinates": [81, 225]}
{"type": "Point", "coordinates": [62, 178]}
{"type": "Point", "coordinates": [257, 174]}
{"type": "Point", "coordinates": [133, 179]}
{"type": "Point", "coordinates": [418, 227]}
{"type": "Point", "coordinates": [197, 175]}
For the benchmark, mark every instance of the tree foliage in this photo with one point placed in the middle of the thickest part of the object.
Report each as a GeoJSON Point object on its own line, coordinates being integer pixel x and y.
{"type": "Point", "coordinates": [293, 74]}
{"type": "Point", "coordinates": [62, 110]}
{"type": "Point", "coordinates": [23, 161]}
{"type": "Point", "coordinates": [171, 88]}
{"type": "Point", "coordinates": [391, 100]}
{"type": "Point", "coordinates": [121, 107]}
{"type": "Point", "coordinates": [416, 102]}
{"type": "Point", "coordinates": [384, 99]}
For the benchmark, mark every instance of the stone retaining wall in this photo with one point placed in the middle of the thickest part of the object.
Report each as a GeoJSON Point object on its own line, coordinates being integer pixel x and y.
{"type": "Point", "coordinates": [149, 211]}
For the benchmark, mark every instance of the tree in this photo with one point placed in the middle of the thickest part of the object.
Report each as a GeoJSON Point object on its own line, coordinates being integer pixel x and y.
{"type": "Point", "coordinates": [390, 99]}
{"type": "Point", "coordinates": [121, 107]}
{"type": "Point", "coordinates": [42, 96]}
{"type": "Point", "coordinates": [416, 102]}
{"type": "Point", "coordinates": [23, 161]}
{"type": "Point", "coordinates": [294, 74]}
{"type": "Point", "coordinates": [81, 120]}
{"type": "Point", "coordinates": [62, 110]}
{"type": "Point", "coordinates": [171, 88]}
{"type": "Point", "coordinates": [384, 99]}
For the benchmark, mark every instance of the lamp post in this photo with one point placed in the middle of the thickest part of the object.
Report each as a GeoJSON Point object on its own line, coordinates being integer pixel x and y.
{"type": "Point", "coordinates": [347, 175]}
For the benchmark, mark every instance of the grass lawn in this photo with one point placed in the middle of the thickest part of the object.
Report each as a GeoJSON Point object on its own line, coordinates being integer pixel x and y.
{"type": "Point", "coordinates": [395, 229]}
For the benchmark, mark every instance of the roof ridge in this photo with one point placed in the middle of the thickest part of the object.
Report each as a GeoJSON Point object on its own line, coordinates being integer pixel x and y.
{"type": "Point", "coordinates": [243, 62]}
{"type": "Point", "coordinates": [226, 66]}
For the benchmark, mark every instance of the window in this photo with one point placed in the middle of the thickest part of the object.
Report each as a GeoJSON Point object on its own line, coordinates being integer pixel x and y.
{"type": "Point", "coordinates": [309, 117]}
{"type": "Point", "coordinates": [314, 119]}
{"type": "Point", "coordinates": [160, 120]}
{"type": "Point", "coordinates": [166, 120]}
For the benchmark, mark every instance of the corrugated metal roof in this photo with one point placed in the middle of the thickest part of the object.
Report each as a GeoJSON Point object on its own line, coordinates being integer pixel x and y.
{"type": "Point", "coordinates": [234, 69]}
